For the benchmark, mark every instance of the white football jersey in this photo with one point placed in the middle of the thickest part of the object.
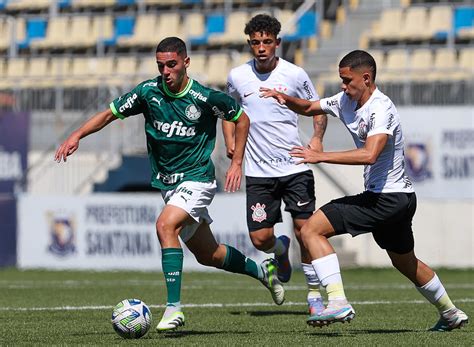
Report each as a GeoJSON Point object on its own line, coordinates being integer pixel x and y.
{"type": "Point", "coordinates": [377, 116]}
{"type": "Point", "coordinates": [273, 127]}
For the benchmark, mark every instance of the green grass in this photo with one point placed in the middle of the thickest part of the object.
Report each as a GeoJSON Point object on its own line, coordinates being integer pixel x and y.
{"type": "Point", "coordinates": [74, 308]}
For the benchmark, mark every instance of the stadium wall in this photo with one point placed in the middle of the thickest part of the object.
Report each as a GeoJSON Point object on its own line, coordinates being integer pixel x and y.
{"type": "Point", "coordinates": [55, 232]}
{"type": "Point", "coordinates": [117, 231]}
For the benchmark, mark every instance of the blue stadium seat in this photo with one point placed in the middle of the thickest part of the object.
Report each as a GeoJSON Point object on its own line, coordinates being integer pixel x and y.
{"type": "Point", "coordinates": [123, 27]}
{"type": "Point", "coordinates": [35, 28]}
{"type": "Point", "coordinates": [125, 2]}
{"type": "Point", "coordinates": [215, 24]}
{"type": "Point", "coordinates": [463, 18]}
{"type": "Point", "coordinates": [305, 27]}
{"type": "Point", "coordinates": [64, 3]}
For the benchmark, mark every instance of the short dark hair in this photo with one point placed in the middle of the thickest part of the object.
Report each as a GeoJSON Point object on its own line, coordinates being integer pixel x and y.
{"type": "Point", "coordinates": [263, 23]}
{"type": "Point", "coordinates": [172, 44]}
{"type": "Point", "coordinates": [357, 59]}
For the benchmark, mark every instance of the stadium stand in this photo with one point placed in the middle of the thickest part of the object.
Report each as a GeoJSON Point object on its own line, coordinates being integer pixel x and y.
{"type": "Point", "coordinates": [75, 55]}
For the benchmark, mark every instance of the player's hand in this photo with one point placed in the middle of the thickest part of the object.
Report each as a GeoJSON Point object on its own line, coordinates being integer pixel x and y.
{"type": "Point", "coordinates": [271, 93]}
{"type": "Point", "coordinates": [309, 154]}
{"type": "Point", "coordinates": [67, 148]}
{"type": "Point", "coordinates": [233, 177]}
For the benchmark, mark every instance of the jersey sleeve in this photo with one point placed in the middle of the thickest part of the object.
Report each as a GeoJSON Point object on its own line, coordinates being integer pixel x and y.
{"type": "Point", "coordinates": [129, 104]}
{"type": "Point", "coordinates": [332, 105]}
{"type": "Point", "coordinates": [230, 88]}
{"type": "Point", "coordinates": [224, 107]}
{"type": "Point", "coordinates": [304, 87]}
{"type": "Point", "coordinates": [383, 119]}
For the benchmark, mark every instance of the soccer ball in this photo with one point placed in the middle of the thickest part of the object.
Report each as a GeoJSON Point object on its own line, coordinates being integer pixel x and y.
{"type": "Point", "coordinates": [131, 318]}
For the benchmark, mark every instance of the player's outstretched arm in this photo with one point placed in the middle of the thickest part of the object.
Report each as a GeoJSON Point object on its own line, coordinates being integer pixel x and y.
{"type": "Point", "coordinates": [366, 155]}
{"type": "Point", "coordinates": [71, 144]}
{"type": "Point", "coordinates": [234, 173]}
{"type": "Point", "coordinates": [300, 106]}
{"type": "Point", "coordinates": [320, 123]}
{"type": "Point", "coordinates": [228, 129]}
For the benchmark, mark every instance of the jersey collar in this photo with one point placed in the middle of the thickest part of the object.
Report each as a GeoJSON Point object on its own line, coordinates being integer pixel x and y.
{"type": "Point", "coordinates": [181, 93]}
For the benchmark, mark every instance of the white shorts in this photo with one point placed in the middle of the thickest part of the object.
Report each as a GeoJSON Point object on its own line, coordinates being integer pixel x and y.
{"type": "Point", "coordinates": [194, 198]}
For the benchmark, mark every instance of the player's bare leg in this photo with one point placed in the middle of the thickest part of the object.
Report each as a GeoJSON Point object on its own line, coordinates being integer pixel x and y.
{"type": "Point", "coordinates": [315, 233]}
{"type": "Point", "coordinates": [429, 285]}
{"type": "Point", "coordinates": [208, 252]}
{"type": "Point", "coordinates": [264, 240]}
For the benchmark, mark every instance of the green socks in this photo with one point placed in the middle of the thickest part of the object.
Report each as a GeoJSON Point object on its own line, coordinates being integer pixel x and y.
{"type": "Point", "coordinates": [172, 263]}
{"type": "Point", "coordinates": [236, 262]}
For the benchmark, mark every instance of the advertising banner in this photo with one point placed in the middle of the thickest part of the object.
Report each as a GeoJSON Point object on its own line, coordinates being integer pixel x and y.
{"type": "Point", "coordinates": [115, 231]}
{"type": "Point", "coordinates": [14, 129]}
{"type": "Point", "coordinates": [439, 148]}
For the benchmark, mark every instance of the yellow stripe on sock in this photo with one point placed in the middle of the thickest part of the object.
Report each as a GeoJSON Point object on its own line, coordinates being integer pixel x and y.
{"type": "Point", "coordinates": [444, 303]}
{"type": "Point", "coordinates": [335, 291]}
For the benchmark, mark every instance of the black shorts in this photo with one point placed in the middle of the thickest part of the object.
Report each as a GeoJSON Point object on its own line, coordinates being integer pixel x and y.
{"type": "Point", "coordinates": [387, 216]}
{"type": "Point", "coordinates": [264, 196]}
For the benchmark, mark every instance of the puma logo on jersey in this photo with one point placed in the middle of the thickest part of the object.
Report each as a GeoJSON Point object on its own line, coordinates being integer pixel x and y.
{"type": "Point", "coordinates": [156, 100]}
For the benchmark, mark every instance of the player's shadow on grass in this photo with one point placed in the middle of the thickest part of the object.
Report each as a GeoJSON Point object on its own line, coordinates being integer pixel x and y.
{"type": "Point", "coordinates": [354, 332]}
{"type": "Point", "coordinates": [185, 333]}
{"type": "Point", "coordinates": [268, 313]}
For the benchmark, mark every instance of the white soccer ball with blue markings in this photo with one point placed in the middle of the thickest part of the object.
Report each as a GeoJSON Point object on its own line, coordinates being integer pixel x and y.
{"type": "Point", "coordinates": [131, 318]}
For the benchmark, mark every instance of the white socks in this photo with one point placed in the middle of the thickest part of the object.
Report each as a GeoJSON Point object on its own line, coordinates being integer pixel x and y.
{"type": "Point", "coordinates": [327, 269]}
{"type": "Point", "coordinates": [435, 293]}
{"type": "Point", "coordinates": [312, 280]}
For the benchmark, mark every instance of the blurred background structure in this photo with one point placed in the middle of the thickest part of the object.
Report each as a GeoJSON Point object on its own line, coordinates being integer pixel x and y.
{"type": "Point", "coordinates": [61, 61]}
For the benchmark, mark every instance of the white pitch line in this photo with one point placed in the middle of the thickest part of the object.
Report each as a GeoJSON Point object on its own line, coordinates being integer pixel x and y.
{"type": "Point", "coordinates": [216, 305]}
{"type": "Point", "coordinates": [199, 284]}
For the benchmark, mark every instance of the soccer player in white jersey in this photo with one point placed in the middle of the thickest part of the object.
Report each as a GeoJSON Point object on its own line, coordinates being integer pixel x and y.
{"type": "Point", "coordinates": [271, 173]}
{"type": "Point", "coordinates": [387, 205]}
{"type": "Point", "coordinates": [180, 126]}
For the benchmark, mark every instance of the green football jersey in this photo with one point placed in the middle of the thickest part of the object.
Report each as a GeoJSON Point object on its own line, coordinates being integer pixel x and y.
{"type": "Point", "coordinates": [180, 128]}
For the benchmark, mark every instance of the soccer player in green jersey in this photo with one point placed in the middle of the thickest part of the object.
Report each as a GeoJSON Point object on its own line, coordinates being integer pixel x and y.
{"type": "Point", "coordinates": [180, 126]}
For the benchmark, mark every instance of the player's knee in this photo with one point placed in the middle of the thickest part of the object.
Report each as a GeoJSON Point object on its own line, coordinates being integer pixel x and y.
{"type": "Point", "coordinates": [165, 230]}
{"type": "Point", "coordinates": [261, 242]}
{"type": "Point", "coordinates": [309, 232]}
{"type": "Point", "coordinates": [262, 239]}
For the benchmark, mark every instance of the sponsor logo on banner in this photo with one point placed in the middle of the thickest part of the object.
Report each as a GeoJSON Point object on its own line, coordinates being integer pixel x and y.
{"type": "Point", "coordinates": [418, 161]}
{"type": "Point", "coordinates": [457, 162]}
{"type": "Point", "coordinates": [62, 233]}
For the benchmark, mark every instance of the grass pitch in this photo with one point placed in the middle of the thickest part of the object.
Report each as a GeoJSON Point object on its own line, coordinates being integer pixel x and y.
{"type": "Point", "coordinates": [74, 308]}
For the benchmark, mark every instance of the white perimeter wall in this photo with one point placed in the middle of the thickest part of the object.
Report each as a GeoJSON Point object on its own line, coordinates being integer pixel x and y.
{"type": "Point", "coordinates": [443, 225]}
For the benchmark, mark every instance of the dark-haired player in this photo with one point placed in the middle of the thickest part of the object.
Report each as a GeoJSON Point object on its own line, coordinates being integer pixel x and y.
{"type": "Point", "coordinates": [272, 175]}
{"type": "Point", "coordinates": [180, 126]}
{"type": "Point", "coordinates": [387, 205]}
